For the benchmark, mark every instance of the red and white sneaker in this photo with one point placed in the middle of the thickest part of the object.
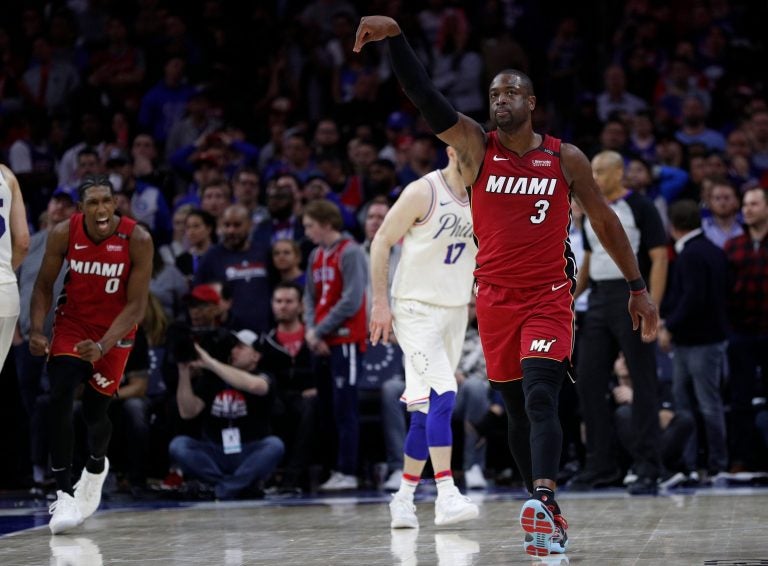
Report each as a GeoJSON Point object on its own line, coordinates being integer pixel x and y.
{"type": "Point", "coordinates": [545, 532]}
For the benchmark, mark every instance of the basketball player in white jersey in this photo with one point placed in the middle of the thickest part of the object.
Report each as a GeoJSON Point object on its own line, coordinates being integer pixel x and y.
{"type": "Point", "coordinates": [430, 293]}
{"type": "Point", "coordinates": [14, 243]}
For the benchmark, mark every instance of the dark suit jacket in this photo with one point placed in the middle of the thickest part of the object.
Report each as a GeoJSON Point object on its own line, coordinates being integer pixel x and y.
{"type": "Point", "coordinates": [696, 300]}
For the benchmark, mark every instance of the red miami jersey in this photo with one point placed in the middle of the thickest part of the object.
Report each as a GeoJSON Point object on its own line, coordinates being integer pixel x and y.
{"type": "Point", "coordinates": [95, 285]}
{"type": "Point", "coordinates": [521, 211]}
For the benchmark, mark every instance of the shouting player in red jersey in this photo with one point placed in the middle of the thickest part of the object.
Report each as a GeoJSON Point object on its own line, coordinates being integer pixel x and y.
{"type": "Point", "coordinates": [521, 184]}
{"type": "Point", "coordinates": [109, 265]}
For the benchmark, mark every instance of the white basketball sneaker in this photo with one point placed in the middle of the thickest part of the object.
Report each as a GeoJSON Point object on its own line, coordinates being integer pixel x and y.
{"type": "Point", "coordinates": [88, 490]}
{"type": "Point", "coordinates": [403, 513]}
{"type": "Point", "coordinates": [453, 507]}
{"type": "Point", "coordinates": [65, 513]}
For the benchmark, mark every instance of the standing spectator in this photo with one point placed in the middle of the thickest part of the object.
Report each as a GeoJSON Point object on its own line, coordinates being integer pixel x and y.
{"type": "Point", "coordinates": [608, 330]}
{"type": "Point", "coordinates": [288, 359]}
{"type": "Point", "coordinates": [199, 235]}
{"type": "Point", "coordinates": [197, 124]}
{"type": "Point", "coordinates": [724, 223]}
{"type": "Point", "coordinates": [695, 322]}
{"type": "Point", "coordinates": [748, 316]}
{"type": "Point", "coordinates": [286, 257]}
{"type": "Point", "coordinates": [334, 305]}
{"type": "Point", "coordinates": [240, 260]}
{"type": "Point", "coordinates": [237, 451]}
{"type": "Point", "coordinates": [615, 100]}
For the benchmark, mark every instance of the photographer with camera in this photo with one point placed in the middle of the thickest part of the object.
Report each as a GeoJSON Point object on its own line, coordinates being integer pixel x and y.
{"type": "Point", "coordinates": [236, 451]}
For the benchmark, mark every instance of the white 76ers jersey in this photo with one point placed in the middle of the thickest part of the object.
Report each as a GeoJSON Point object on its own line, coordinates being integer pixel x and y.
{"type": "Point", "coordinates": [6, 250]}
{"type": "Point", "coordinates": [438, 252]}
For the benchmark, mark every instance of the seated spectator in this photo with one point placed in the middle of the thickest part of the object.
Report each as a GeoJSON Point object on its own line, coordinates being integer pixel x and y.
{"type": "Point", "coordinates": [286, 257]}
{"type": "Point", "coordinates": [288, 359]}
{"type": "Point", "coordinates": [168, 284]}
{"type": "Point", "coordinates": [615, 98]}
{"type": "Point", "coordinates": [177, 246]}
{"type": "Point", "coordinates": [200, 235]}
{"type": "Point", "coordinates": [236, 452]}
{"type": "Point", "coordinates": [694, 128]}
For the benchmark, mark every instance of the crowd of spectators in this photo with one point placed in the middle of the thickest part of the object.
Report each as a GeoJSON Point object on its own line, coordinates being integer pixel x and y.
{"type": "Point", "coordinates": [218, 122]}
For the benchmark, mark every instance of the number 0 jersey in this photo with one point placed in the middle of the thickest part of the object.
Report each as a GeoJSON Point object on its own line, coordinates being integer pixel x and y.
{"type": "Point", "coordinates": [95, 285]}
{"type": "Point", "coordinates": [521, 212]}
{"type": "Point", "coordinates": [438, 252]}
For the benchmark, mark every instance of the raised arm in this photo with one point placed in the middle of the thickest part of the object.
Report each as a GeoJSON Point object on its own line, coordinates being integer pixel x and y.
{"type": "Point", "coordinates": [611, 234]}
{"type": "Point", "coordinates": [141, 250]}
{"type": "Point", "coordinates": [414, 204]}
{"type": "Point", "coordinates": [459, 131]}
{"type": "Point", "coordinates": [19, 228]}
{"type": "Point", "coordinates": [42, 293]}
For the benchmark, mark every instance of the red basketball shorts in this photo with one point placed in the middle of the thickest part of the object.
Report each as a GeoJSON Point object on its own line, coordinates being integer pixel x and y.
{"type": "Point", "coordinates": [107, 371]}
{"type": "Point", "coordinates": [515, 324]}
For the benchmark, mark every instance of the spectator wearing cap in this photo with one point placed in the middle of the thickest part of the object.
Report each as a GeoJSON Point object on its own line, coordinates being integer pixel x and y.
{"type": "Point", "coordinates": [236, 452]}
{"type": "Point", "coordinates": [29, 369]}
{"type": "Point", "coordinates": [242, 261]}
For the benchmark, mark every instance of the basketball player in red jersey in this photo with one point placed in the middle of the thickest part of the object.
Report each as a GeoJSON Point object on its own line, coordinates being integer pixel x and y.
{"type": "Point", "coordinates": [521, 185]}
{"type": "Point", "coordinates": [105, 294]}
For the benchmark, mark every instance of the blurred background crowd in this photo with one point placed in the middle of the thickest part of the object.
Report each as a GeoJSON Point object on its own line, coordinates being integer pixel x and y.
{"type": "Point", "coordinates": [193, 107]}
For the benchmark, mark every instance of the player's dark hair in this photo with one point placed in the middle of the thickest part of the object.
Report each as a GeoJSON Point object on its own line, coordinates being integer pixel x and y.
{"type": "Point", "coordinates": [94, 181]}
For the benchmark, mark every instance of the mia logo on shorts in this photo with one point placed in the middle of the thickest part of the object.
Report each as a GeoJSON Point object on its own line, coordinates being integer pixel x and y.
{"type": "Point", "coordinates": [542, 345]}
{"type": "Point", "coordinates": [102, 381]}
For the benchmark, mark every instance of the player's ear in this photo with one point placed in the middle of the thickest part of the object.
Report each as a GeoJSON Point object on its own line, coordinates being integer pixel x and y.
{"type": "Point", "coordinates": [532, 102]}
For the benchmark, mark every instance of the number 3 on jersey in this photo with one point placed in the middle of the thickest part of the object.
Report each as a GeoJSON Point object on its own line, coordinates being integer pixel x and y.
{"type": "Point", "coordinates": [541, 206]}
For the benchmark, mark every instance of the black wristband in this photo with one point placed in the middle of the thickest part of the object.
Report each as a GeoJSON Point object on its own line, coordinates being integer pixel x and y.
{"type": "Point", "coordinates": [637, 285]}
{"type": "Point", "coordinates": [435, 108]}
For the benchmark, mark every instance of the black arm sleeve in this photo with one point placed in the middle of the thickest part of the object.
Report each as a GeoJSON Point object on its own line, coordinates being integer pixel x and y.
{"type": "Point", "coordinates": [435, 108]}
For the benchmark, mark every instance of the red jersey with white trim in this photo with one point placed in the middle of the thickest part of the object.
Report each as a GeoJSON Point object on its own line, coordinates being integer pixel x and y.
{"type": "Point", "coordinates": [95, 286]}
{"type": "Point", "coordinates": [521, 211]}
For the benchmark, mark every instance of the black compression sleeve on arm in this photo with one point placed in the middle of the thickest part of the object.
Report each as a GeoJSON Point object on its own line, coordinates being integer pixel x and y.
{"type": "Point", "coordinates": [437, 111]}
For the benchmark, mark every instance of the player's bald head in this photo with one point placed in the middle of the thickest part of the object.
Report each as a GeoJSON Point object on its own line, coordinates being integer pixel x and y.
{"type": "Point", "coordinates": [523, 80]}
